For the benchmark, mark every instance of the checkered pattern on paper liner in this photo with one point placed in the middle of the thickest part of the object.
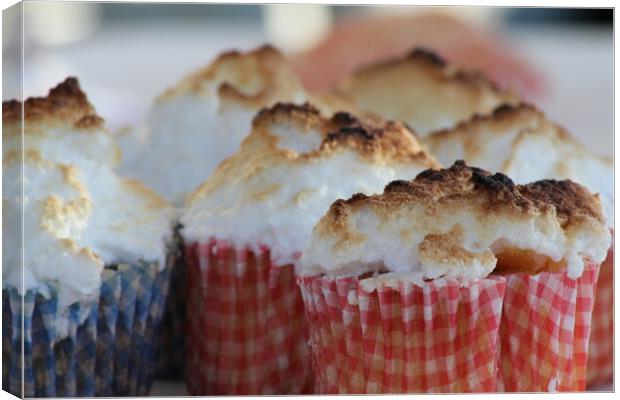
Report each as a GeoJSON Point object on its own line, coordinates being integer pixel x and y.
{"type": "Point", "coordinates": [440, 337]}
{"type": "Point", "coordinates": [601, 348]}
{"type": "Point", "coordinates": [78, 364]}
{"type": "Point", "coordinates": [246, 328]}
{"type": "Point", "coordinates": [9, 369]}
{"type": "Point", "coordinates": [544, 331]}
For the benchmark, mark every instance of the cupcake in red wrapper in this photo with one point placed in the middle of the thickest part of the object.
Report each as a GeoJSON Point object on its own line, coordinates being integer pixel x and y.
{"type": "Point", "coordinates": [245, 227]}
{"type": "Point", "coordinates": [601, 346]}
{"type": "Point", "coordinates": [545, 329]}
{"type": "Point", "coordinates": [247, 317]}
{"type": "Point", "coordinates": [457, 281]}
{"type": "Point", "coordinates": [521, 142]}
{"type": "Point", "coordinates": [416, 337]}
{"type": "Point", "coordinates": [191, 128]}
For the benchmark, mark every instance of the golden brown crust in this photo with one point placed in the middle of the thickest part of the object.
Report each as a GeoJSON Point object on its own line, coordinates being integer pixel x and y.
{"type": "Point", "coordinates": [446, 71]}
{"type": "Point", "coordinates": [437, 199]}
{"type": "Point", "coordinates": [464, 186]}
{"type": "Point", "coordinates": [374, 140]}
{"type": "Point", "coordinates": [521, 119]}
{"type": "Point", "coordinates": [72, 246]}
{"type": "Point", "coordinates": [33, 157]}
{"type": "Point", "coordinates": [422, 90]}
{"type": "Point", "coordinates": [30, 156]}
{"type": "Point", "coordinates": [572, 201]}
{"type": "Point", "coordinates": [65, 109]}
{"type": "Point", "coordinates": [504, 115]}
{"type": "Point", "coordinates": [253, 79]}
{"type": "Point", "coordinates": [65, 104]}
{"type": "Point", "coordinates": [89, 121]}
{"type": "Point", "coordinates": [57, 211]}
{"type": "Point", "coordinates": [447, 248]}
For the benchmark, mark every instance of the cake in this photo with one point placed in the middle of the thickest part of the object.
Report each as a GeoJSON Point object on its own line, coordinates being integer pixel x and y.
{"type": "Point", "coordinates": [520, 141]}
{"type": "Point", "coordinates": [84, 250]}
{"type": "Point", "coordinates": [456, 281]}
{"type": "Point", "coordinates": [201, 120]}
{"type": "Point", "coordinates": [246, 225]}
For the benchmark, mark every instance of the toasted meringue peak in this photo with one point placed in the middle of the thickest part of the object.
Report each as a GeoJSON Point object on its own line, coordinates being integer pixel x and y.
{"type": "Point", "coordinates": [65, 105]}
{"type": "Point", "coordinates": [203, 119]}
{"type": "Point", "coordinates": [56, 208]}
{"type": "Point", "coordinates": [521, 142]}
{"type": "Point", "coordinates": [423, 91]}
{"type": "Point", "coordinates": [461, 222]}
{"type": "Point", "coordinates": [62, 126]}
{"type": "Point", "coordinates": [255, 79]}
{"type": "Point", "coordinates": [78, 213]}
{"type": "Point", "coordinates": [294, 163]}
{"type": "Point", "coordinates": [76, 219]}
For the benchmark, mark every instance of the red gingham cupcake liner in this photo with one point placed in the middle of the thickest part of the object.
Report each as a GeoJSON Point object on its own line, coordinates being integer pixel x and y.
{"type": "Point", "coordinates": [246, 328]}
{"type": "Point", "coordinates": [438, 337]}
{"type": "Point", "coordinates": [544, 331]}
{"type": "Point", "coordinates": [601, 349]}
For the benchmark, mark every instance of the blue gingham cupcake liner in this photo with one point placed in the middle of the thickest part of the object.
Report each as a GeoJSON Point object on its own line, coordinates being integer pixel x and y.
{"type": "Point", "coordinates": [171, 342]}
{"type": "Point", "coordinates": [110, 349]}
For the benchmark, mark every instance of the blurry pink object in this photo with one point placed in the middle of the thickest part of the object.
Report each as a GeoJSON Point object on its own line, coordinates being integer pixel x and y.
{"type": "Point", "coordinates": [361, 41]}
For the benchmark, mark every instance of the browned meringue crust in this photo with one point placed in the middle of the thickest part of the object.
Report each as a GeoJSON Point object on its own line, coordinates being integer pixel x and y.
{"type": "Point", "coordinates": [423, 79]}
{"type": "Point", "coordinates": [66, 104]}
{"type": "Point", "coordinates": [254, 78]}
{"type": "Point", "coordinates": [522, 115]}
{"type": "Point", "coordinates": [375, 140]}
{"type": "Point", "coordinates": [464, 187]}
{"type": "Point", "coordinates": [437, 68]}
{"type": "Point", "coordinates": [504, 115]}
{"type": "Point", "coordinates": [448, 248]}
{"type": "Point", "coordinates": [525, 118]}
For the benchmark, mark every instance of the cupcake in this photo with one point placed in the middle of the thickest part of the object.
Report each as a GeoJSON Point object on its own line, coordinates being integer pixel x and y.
{"type": "Point", "coordinates": [422, 91]}
{"type": "Point", "coordinates": [456, 281]}
{"type": "Point", "coordinates": [519, 141]}
{"type": "Point", "coordinates": [245, 227]}
{"type": "Point", "coordinates": [191, 128]}
{"type": "Point", "coordinates": [200, 121]}
{"type": "Point", "coordinates": [84, 261]}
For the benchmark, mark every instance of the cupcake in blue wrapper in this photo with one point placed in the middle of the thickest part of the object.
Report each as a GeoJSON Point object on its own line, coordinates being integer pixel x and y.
{"type": "Point", "coordinates": [85, 266]}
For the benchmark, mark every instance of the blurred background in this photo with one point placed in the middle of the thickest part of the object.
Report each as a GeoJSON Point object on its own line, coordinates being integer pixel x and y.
{"type": "Point", "coordinates": [125, 54]}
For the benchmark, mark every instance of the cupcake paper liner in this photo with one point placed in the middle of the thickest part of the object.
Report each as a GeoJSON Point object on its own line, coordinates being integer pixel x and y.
{"type": "Point", "coordinates": [246, 328]}
{"type": "Point", "coordinates": [171, 342]}
{"type": "Point", "coordinates": [110, 353]}
{"type": "Point", "coordinates": [545, 330]}
{"type": "Point", "coordinates": [439, 337]}
{"type": "Point", "coordinates": [601, 349]}
{"type": "Point", "coordinates": [517, 332]}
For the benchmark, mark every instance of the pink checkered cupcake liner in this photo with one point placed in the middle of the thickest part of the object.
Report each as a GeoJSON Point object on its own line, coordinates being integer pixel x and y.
{"type": "Point", "coordinates": [247, 333]}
